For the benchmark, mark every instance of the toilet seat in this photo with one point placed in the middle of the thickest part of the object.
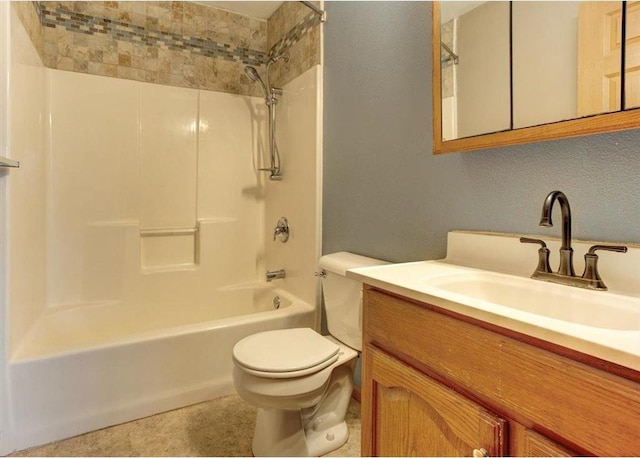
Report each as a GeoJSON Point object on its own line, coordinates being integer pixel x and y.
{"type": "Point", "coordinates": [306, 352]}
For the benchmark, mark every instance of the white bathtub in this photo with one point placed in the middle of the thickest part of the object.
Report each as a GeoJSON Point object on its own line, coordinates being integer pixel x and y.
{"type": "Point", "coordinates": [85, 368]}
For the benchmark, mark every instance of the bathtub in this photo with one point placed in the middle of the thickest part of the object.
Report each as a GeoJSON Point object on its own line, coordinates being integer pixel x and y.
{"type": "Point", "coordinates": [87, 367]}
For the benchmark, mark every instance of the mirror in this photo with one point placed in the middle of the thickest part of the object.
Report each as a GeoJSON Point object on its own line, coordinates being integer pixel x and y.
{"type": "Point", "coordinates": [517, 72]}
{"type": "Point", "coordinates": [632, 56]}
{"type": "Point", "coordinates": [545, 62]}
{"type": "Point", "coordinates": [475, 70]}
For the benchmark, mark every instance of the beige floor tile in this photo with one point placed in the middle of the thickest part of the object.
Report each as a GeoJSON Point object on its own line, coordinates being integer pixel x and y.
{"type": "Point", "coordinates": [221, 427]}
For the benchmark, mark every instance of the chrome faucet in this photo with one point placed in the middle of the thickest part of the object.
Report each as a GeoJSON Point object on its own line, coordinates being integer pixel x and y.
{"type": "Point", "coordinates": [566, 275]}
{"type": "Point", "coordinates": [566, 252]}
{"type": "Point", "coordinates": [275, 274]}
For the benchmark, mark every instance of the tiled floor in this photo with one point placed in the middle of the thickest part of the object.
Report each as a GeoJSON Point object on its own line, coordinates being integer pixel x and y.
{"type": "Point", "coordinates": [222, 427]}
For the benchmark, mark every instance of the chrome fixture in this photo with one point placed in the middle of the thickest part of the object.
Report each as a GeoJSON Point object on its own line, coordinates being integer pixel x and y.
{"type": "Point", "coordinates": [271, 100]}
{"type": "Point", "coordinates": [6, 162]}
{"type": "Point", "coordinates": [281, 231]}
{"type": "Point", "coordinates": [322, 14]}
{"type": "Point", "coordinates": [590, 277]}
{"type": "Point", "coordinates": [276, 302]}
{"type": "Point", "coordinates": [253, 74]}
{"type": "Point", "coordinates": [452, 57]}
{"type": "Point", "coordinates": [275, 274]}
{"type": "Point", "coordinates": [321, 273]}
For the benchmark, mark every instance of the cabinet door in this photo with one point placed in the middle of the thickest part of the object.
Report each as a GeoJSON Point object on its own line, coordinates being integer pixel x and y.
{"type": "Point", "coordinates": [537, 445]}
{"type": "Point", "coordinates": [413, 415]}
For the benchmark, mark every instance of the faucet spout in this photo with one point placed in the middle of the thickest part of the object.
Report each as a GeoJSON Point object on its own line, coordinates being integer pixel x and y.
{"type": "Point", "coordinates": [275, 274]}
{"type": "Point", "coordinates": [545, 219]}
{"type": "Point", "coordinates": [566, 252]}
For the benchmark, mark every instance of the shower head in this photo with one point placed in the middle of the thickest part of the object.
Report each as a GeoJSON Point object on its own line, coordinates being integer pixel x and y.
{"type": "Point", "coordinates": [253, 74]}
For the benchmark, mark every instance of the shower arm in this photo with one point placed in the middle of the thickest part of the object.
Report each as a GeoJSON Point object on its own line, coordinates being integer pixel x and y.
{"type": "Point", "coordinates": [321, 13]}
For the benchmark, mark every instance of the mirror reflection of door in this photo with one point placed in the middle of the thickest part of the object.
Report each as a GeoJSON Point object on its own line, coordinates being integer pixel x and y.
{"type": "Point", "coordinates": [632, 58]}
{"type": "Point", "coordinates": [599, 57]}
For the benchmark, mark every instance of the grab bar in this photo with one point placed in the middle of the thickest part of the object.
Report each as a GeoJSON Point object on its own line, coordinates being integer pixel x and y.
{"type": "Point", "coordinates": [168, 231]}
{"type": "Point", "coordinates": [6, 162]}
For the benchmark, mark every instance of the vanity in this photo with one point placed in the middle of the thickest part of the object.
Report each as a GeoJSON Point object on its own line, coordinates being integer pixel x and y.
{"type": "Point", "coordinates": [469, 356]}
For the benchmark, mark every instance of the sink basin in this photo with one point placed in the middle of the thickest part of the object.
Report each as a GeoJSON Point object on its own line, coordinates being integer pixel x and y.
{"type": "Point", "coordinates": [580, 306]}
{"type": "Point", "coordinates": [485, 277]}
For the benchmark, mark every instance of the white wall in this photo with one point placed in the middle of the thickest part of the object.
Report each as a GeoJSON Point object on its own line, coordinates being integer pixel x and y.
{"type": "Point", "coordinates": [297, 196]}
{"type": "Point", "coordinates": [4, 73]}
{"type": "Point", "coordinates": [22, 198]}
{"type": "Point", "coordinates": [26, 186]}
{"type": "Point", "coordinates": [129, 158]}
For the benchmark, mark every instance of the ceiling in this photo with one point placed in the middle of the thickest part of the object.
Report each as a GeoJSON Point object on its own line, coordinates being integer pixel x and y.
{"type": "Point", "coordinates": [257, 9]}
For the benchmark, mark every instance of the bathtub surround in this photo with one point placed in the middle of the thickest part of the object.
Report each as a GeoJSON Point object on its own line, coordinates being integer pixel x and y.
{"type": "Point", "coordinates": [139, 259]}
{"type": "Point", "coordinates": [173, 43]}
{"type": "Point", "coordinates": [387, 196]}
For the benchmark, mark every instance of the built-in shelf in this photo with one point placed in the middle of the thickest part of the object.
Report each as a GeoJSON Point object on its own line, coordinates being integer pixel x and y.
{"type": "Point", "coordinates": [6, 162]}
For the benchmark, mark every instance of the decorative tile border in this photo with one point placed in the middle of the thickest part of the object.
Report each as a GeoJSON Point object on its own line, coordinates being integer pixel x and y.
{"type": "Point", "coordinates": [178, 43]}
{"type": "Point", "coordinates": [36, 5]}
{"type": "Point", "coordinates": [122, 31]}
{"type": "Point", "coordinates": [295, 34]}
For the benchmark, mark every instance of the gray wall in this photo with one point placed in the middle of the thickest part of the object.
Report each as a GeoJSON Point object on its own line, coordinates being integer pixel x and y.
{"type": "Point", "coordinates": [387, 196]}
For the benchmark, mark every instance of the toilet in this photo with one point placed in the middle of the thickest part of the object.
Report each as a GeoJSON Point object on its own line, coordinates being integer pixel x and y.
{"type": "Point", "coordinates": [301, 381]}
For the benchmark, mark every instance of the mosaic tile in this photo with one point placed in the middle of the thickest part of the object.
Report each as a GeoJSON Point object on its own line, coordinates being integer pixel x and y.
{"type": "Point", "coordinates": [168, 42]}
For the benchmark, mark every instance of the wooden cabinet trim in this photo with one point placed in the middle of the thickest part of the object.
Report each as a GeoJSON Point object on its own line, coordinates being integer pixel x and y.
{"type": "Point", "coordinates": [593, 411]}
{"type": "Point", "coordinates": [589, 360]}
{"type": "Point", "coordinates": [595, 124]}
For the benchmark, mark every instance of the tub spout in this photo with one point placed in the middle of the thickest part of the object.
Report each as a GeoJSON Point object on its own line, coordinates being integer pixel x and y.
{"type": "Point", "coordinates": [275, 274]}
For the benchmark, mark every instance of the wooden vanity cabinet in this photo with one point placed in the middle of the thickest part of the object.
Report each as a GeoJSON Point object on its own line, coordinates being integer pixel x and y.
{"type": "Point", "coordinates": [417, 416]}
{"type": "Point", "coordinates": [439, 384]}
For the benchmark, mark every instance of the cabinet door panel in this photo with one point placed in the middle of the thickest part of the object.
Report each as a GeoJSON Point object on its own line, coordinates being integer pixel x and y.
{"type": "Point", "coordinates": [416, 416]}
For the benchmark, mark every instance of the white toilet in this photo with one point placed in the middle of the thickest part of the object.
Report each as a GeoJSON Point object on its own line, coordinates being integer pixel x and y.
{"type": "Point", "coordinates": [301, 381]}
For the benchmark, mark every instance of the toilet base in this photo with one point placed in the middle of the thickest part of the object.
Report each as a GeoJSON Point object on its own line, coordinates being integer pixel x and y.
{"type": "Point", "coordinates": [281, 433]}
{"type": "Point", "coordinates": [312, 431]}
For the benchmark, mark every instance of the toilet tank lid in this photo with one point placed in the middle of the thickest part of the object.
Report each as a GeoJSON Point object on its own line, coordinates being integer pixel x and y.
{"type": "Point", "coordinates": [340, 262]}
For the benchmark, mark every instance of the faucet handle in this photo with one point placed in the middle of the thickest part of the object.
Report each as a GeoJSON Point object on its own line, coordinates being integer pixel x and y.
{"type": "Point", "coordinates": [591, 265]}
{"type": "Point", "coordinates": [616, 248]}
{"type": "Point", "coordinates": [538, 241]}
{"type": "Point", "coordinates": [543, 256]}
{"type": "Point", "coordinates": [281, 231]}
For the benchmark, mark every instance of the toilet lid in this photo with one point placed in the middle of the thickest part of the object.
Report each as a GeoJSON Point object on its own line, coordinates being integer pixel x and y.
{"type": "Point", "coordinates": [285, 350]}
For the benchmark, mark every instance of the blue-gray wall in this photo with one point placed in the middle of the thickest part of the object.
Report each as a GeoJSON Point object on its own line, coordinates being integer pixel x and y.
{"type": "Point", "coordinates": [387, 196]}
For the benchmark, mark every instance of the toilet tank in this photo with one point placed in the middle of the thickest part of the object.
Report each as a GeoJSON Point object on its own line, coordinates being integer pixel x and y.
{"type": "Point", "coordinates": [343, 296]}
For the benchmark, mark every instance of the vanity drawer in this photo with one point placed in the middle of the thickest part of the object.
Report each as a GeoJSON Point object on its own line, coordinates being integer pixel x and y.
{"type": "Point", "coordinates": [589, 409]}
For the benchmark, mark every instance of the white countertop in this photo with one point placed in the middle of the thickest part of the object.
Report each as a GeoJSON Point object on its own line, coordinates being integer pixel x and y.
{"type": "Point", "coordinates": [416, 280]}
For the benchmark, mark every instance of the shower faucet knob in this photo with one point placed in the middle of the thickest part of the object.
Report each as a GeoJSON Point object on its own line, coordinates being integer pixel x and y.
{"type": "Point", "coordinates": [281, 231]}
